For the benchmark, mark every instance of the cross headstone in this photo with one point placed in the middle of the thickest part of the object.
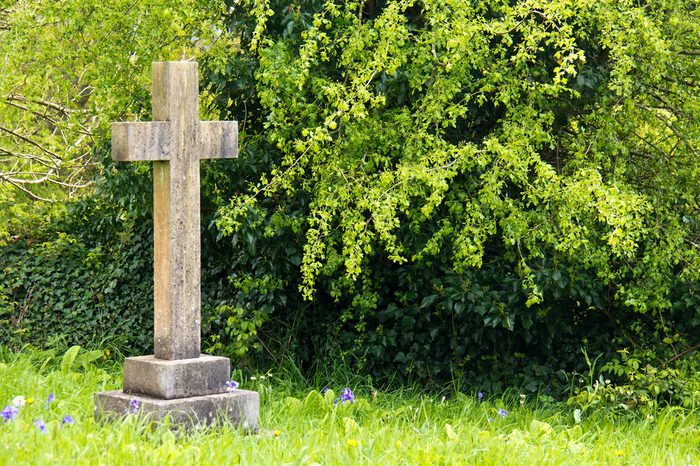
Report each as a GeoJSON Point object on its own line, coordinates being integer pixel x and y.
{"type": "Point", "coordinates": [177, 380]}
{"type": "Point", "coordinates": [175, 143]}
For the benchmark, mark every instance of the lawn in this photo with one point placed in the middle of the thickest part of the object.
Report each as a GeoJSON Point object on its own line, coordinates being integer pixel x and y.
{"type": "Point", "coordinates": [47, 400]}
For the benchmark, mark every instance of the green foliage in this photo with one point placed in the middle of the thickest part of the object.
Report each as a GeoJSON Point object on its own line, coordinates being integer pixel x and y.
{"type": "Point", "coordinates": [301, 426]}
{"type": "Point", "coordinates": [327, 407]}
{"type": "Point", "coordinates": [68, 69]}
{"type": "Point", "coordinates": [61, 288]}
{"type": "Point", "coordinates": [427, 191]}
{"type": "Point", "coordinates": [461, 189]}
{"type": "Point", "coordinates": [635, 382]}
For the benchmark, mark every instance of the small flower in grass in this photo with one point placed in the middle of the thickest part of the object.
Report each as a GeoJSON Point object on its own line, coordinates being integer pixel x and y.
{"type": "Point", "coordinates": [276, 433]}
{"type": "Point", "coordinates": [67, 420]}
{"type": "Point", "coordinates": [480, 397]}
{"type": "Point", "coordinates": [619, 453]}
{"type": "Point", "coordinates": [231, 385]}
{"type": "Point", "coordinates": [30, 400]}
{"type": "Point", "coordinates": [51, 398]}
{"type": "Point", "coordinates": [9, 413]}
{"type": "Point", "coordinates": [41, 425]}
{"type": "Point", "coordinates": [134, 406]}
{"type": "Point", "coordinates": [502, 412]}
{"type": "Point", "coordinates": [347, 395]}
{"type": "Point", "coordinates": [325, 389]}
{"type": "Point", "coordinates": [18, 401]}
{"type": "Point", "coordinates": [352, 442]}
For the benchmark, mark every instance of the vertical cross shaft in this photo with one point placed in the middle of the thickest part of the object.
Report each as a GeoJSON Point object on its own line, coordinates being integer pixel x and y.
{"type": "Point", "coordinates": [175, 142]}
{"type": "Point", "coordinates": [176, 246]}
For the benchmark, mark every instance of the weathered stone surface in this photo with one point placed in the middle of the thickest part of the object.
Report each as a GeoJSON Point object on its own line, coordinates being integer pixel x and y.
{"type": "Point", "coordinates": [175, 142]}
{"type": "Point", "coordinates": [176, 380]}
{"type": "Point", "coordinates": [150, 140]}
{"type": "Point", "coordinates": [239, 407]}
{"type": "Point", "coordinates": [170, 379]}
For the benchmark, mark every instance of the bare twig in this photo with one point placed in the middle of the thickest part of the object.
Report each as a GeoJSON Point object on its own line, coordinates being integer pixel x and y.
{"type": "Point", "coordinates": [29, 141]}
{"type": "Point", "coordinates": [682, 354]}
{"type": "Point", "coordinates": [45, 103]}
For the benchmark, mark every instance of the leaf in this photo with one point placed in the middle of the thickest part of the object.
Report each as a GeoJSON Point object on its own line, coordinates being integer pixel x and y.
{"type": "Point", "coordinates": [329, 396]}
{"type": "Point", "coordinates": [540, 429]}
{"type": "Point", "coordinates": [69, 358]}
{"type": "Point", "coordinates": [292, 404]}
{"type": "Point", "coordinates": [428, 301]}
{"type": "Point", "coordinates": [87, 357]}
{"type": "Point", "coordinates": [574, 433]}
{"type": "Point", "coordinates": [350, 426]}
{"type": "Point", "coordinates": [451, 433]}
{"type": "Point", "coordinates": [313, 401]}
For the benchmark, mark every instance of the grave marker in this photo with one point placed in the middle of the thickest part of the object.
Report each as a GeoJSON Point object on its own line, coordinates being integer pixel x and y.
{"type": "Point", "coordinates": [177, 379]}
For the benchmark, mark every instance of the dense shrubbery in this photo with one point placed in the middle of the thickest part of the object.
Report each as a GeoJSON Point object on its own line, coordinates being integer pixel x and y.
{"type": "Point", "coordinates": [476, 192]}
{"type": "Point", "coordinates": [77, 285]}
{"type": "Point", "coordinates": [436, 191]}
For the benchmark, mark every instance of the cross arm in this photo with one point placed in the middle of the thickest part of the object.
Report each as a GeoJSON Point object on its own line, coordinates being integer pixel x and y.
{"type": "Point", "coordinates": [133, 141]}
{"type": "Point", "coordinates": [218, 140]}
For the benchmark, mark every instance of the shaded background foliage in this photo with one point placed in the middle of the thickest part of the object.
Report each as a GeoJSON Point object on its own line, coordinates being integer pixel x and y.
{"type": "Point", "coordinates": [427, 191]}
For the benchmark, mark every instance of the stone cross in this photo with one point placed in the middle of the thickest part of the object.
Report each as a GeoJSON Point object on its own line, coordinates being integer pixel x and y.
{"type": "Point", "coordinates": [177, 382]}
{"type": "Point", "coordinates": [175, 142]}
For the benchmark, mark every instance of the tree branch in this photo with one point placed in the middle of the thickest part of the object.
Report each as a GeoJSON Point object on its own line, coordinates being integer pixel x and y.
{"type": "Point", "coordinates": [45, 103]}
{"type": "Point", "coordinates": [682, 354]}
{"type": "Point", "coordinates": [25, 190]}
{"type": "Point", "coordinates": [30, 141]}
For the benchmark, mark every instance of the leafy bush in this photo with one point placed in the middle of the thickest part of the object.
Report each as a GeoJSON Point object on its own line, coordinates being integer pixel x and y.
{"type": "Point", "coordinates": [62, 289]}
{"type": "Point", "coordinates": [637, 382]}
{"type": "Point", "coordinates": [467, 193]}
{"type": "Point", "coordinates": [427, 191]}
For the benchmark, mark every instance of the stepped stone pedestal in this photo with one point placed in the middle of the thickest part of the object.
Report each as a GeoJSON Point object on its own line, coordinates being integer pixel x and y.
{"type": "Point", "coordinates": [177, 381]}
{"type": "Point", "coordinates": [188, 391]}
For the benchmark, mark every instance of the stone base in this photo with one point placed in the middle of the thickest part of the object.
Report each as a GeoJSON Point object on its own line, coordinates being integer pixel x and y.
{"type": "Point", "coordinates": [239, 407]}
{"type": "Point", "coordinates": [181, 378]}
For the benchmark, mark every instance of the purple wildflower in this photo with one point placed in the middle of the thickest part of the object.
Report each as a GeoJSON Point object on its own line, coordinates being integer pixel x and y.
{"type": "Point", "coordinates": [67, 420]}
{"type": "Point", "coordinates": [502, 412]}
{"type": "Point", "coordinates": [9, 413]}
{"type": "Point", "coordinates": [323, 392]}
{"type": "Point", "coordinates": [134, 406]}
{"type": "Point", "coordinates": [41, 425]}
{"type": "Point", "coordinates": [480, 396]}
{"type": "Point", "coordinates": [49, 400]}
{"type": "Point", "coordinates": [231, 385]}
{"type": "Point", "coordinates": [347, 395]}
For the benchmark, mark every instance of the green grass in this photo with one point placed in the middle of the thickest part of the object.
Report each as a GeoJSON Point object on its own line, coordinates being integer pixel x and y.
{"type": "Point", "coordinates": [300, 426]}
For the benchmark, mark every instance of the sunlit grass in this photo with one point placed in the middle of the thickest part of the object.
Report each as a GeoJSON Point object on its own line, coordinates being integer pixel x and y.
{"type": "Point", "coordinates": [301, 426]}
